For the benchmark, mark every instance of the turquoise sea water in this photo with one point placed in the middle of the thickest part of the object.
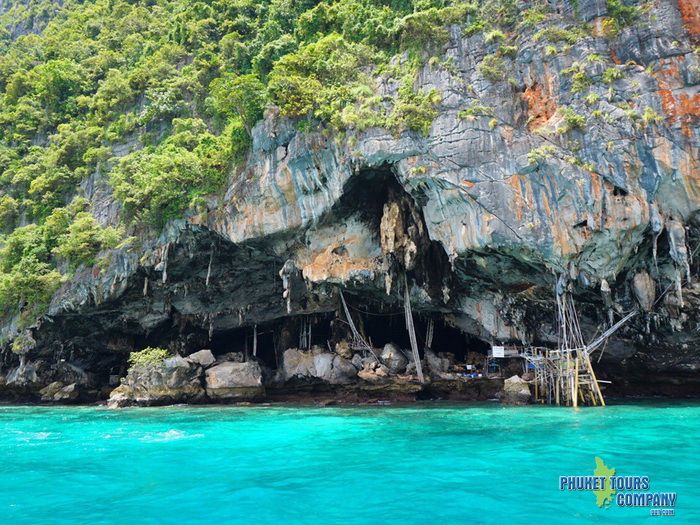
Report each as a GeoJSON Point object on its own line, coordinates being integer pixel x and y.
{"type": "Point", "coordinates": [272, 465]}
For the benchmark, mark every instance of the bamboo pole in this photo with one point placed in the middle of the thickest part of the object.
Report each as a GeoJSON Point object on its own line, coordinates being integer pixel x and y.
{"type": "Point", "coordinates": [411, 329]}
{"type": "Point", "coordinates": [594, 380]}
{"type": "Point", "coordinates": [576, 385]}
{"type": "Point", "coordinates": [255, 340]}
{"type": "Point", "coordinates": [429, 334]}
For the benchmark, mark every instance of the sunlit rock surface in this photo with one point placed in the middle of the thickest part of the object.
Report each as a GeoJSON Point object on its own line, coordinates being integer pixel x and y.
{"type": "Point", "coordinates": [484, 216]}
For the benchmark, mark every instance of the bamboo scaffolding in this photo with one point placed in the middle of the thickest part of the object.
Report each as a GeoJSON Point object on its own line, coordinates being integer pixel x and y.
{"type": "Point", "coordinates": [565, 375]}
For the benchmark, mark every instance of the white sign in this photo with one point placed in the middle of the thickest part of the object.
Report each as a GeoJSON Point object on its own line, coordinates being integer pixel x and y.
{"type": "Point", "coordinates": [498, 351]}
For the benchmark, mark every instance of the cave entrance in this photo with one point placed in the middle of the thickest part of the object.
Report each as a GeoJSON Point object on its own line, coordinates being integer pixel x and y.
{"type": "Point", "coordinates": [383, 329]}
{"type": "Point", "coordinates": [381, 323]}
{"type": "Point", "coordinates": [376, 196]}
{"type": "Point", "coordinates": [241, 340]}
{"type": "Point", "coordinates": [273, 338]}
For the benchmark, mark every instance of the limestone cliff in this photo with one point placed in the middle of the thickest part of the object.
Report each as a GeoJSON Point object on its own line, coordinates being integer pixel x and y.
{"type": "Point", "coordinates": [520, 186]}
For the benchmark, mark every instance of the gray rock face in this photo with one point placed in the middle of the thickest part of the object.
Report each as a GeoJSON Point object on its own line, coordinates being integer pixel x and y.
{"type": "Point", "coordinates": [175, 380]}
{"type": "Point", "coordinates": [59, 392]}
{"type": "Point", "coordinates": [33, 378]}
{"type": "Point", "coordinates": [516, 391]}
{"type": "Point", "coordinates": [393, 358]}
{"type": "Point", "coordinates": [203, 358]}
{"type": "Point", "coordinates": [488, 211]}
{"type": "Point", "coordinates": [316, 364]}
{"type": "Point", "coordinates": [235, 381]}
{"type": "Point", "coordinates": [23, 375]}
{"type": "Point", "coordinates": [644, 289]}
{"type": "Point", "coordinates": [436, 363]}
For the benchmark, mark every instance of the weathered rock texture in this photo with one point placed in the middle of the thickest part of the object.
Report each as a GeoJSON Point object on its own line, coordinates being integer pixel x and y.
{"type": "Point", "coordinates": [515, 391]}
{"type": "Point", "coordinates": [235, 381]}
{"type": "Point", "coordinates": [175, 380]}
{"type": "Point", "coordinates": [485, 215]}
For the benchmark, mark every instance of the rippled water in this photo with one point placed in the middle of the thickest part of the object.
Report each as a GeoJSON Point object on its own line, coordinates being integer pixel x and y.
{"type": "Point", "coordinates": [259, 465]}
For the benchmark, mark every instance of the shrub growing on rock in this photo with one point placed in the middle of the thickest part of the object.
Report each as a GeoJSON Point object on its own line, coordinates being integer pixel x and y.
{"type": "Point", "coordinates": [149, 356]}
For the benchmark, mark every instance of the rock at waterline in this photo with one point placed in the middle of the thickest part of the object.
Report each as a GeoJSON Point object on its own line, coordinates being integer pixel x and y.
{"type": "Point", "coordinates": [235, 381]}
{"type": "Point", "coordinates": [318, 364]}
{"type": "Point", "coordinates": [58, 391]}
{"type": "Point", "coordinates": [174, 380]}
{"type": "Point", "coordinates": [516, 391]}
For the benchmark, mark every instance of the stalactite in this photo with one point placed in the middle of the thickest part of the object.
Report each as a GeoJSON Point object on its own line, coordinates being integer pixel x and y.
{"type": "Point", "coordinates": [211, 259]}
{"type": "Point", "coordinates": [606, 293]}
{"type": "Point", "coordinates": [165, 263]}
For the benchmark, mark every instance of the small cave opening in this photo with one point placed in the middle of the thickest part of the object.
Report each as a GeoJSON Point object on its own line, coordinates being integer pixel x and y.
{"type": "Point", "coordinates": [365, 195]}
{"type": "Point", "coordinates": [395, 215]}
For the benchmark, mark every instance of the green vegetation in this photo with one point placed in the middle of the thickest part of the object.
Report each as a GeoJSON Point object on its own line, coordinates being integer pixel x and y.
{"type": "Point", "coordinates": [148, 357]}
{"type": "Point", "coordinates": [532, 18]}
{"type": "Point", "coordinates": [28, 255]}
{"type": "Point", "coordinates": [557, 34]}
{"type": "Point", "coordinates": [649, 116]}
{"type": "Point", "coordinates": [159, 98]}
{"type": "Point", "coordinates": [623, 14]}
{"type": "Point", "coordinates": [592, 98]}
{"type": "Point", "coordinates": [620, 16]}
{"type": "Point", "coordinates": [476, 110]}
{"type": "Point", "coordinates": [23, 343]}
{"type": "Point", "coordinates": [494, 36]}
{"type": "Point", "coordinates": [540, 154]}
{"type": "Point", "coordinates": [493, 68]}
{"type": "Point", "coordinates": [572, 120]}
{"type": "Point", "coordinates": [612, 74]}
{"type": "Point", "coordinates": [579, 79]}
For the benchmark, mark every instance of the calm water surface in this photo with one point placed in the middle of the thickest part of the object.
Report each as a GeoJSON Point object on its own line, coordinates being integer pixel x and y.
{"type": "Point", "coordinates": [281, 466]}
